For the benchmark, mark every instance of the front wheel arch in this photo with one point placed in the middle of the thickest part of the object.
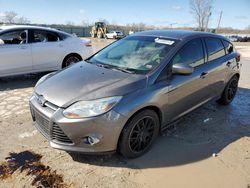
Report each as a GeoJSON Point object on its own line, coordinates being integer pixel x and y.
{"type": "Point", "coordinates": [153, 108]}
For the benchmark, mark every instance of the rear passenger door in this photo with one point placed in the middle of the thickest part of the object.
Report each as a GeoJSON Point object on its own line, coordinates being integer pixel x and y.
{"type": "Point", "coordinates": [47, 50]}
{"type": "Point", "coordinates": [216, 65]}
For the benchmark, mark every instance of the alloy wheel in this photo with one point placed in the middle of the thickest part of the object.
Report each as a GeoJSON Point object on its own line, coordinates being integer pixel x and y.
{"type": "Point", "coordinates": [232, 88]}
{"type": "Point", "coordinates": [142, 134]}
{"type": "Point", "coordinates": [71, 60]}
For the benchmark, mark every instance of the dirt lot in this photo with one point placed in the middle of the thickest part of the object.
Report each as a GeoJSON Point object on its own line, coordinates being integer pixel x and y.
{"type": "Point", "coordinates": [209, 148]}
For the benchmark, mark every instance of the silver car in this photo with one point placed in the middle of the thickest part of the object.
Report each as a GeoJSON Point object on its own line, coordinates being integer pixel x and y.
{"type": "Point", "coordinates": [30, 49]}
{"type": "Point", "coordinates": [122, 97]}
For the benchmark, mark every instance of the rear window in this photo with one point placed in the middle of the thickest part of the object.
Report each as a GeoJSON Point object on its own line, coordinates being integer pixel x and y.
{"type": "Point", "coordinates": [228, 47]}
{"type": "Point", "coordinates": [215, 48]}
{"type": "Point", "coordinates": [45, 36]}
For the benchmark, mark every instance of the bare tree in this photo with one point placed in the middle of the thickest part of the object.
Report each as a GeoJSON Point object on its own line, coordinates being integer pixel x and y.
{"type": "Point", "coordinates": [70, 23]}
{"type": "Point", "coordinates": [22, 20]}
{"type": "Point", "coordinates": [9, 17]}
{"type": "Point", "coordinates": [201, 9]}
{"type": "Point", "coordinates": [86, 23]}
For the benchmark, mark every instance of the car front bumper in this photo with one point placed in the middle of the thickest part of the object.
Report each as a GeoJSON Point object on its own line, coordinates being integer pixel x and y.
{"type": "Point", "coordinates": [89, 135]}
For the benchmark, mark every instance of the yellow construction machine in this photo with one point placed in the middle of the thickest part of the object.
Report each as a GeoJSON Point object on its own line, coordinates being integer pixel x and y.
{"type": "Point", "coordinates": [99, 30]}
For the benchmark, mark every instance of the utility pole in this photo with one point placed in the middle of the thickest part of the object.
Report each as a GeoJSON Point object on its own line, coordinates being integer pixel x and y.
{"type": "Point", "coordinates": [209, 13]}
{"type": "Point", "coordinates": [219, 21]}
{"type": "Point", "coordinates": [171, 25]}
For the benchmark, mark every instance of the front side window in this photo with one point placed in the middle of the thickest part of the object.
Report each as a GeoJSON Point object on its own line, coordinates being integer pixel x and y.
{"type": "Point", "coordinates": [215, 48]}
{"type": "Point", "coordinates": [138, 54]}
{"type": "Point", "coordinates": [14, 37]}
{"type": "Point", "coordinates": [191, 54]}
{"type": "Point", "coordinates": [44, 36]}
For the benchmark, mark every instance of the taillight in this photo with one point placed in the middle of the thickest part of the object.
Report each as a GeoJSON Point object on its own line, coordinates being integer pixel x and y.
{"type": "Point", "coordinates": [238, 58]}
{"type": "Point", "coordinates": [88, 44]}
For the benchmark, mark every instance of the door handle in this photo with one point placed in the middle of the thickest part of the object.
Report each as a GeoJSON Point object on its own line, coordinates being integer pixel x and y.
{"type": "Point", "coordinates": [203, 75]}
{"type": "Point", "coordinates": [60, 45]}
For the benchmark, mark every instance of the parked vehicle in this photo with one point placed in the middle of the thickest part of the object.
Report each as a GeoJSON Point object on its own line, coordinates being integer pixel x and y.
{"type": "Point", "coordinates": [122, 97]}
{"type": "Point", "coordinates": [114, 35]}
{"type": "Point", "coordinates": [29, 49]}
{"type": "Point", "coordinates": [99, 30]}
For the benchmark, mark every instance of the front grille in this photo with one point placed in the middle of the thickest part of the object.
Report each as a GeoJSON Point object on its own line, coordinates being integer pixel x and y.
{"type": "Point", "coordinates": [59, 135]}
{"type": "Point", "coordinates": [42, 123]}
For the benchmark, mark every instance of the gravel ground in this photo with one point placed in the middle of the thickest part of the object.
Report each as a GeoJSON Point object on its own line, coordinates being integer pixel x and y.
{"type": "Point", "coordinates": [208, 148]}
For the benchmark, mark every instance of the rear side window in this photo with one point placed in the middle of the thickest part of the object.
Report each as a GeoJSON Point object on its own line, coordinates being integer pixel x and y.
{"type": "Point", "coordinates": [191, 54]}
{"type": "Point", "coordinates": [45, 36]}
{"type": "Point", "coordinates": [215, 48]}
{"type": "Point", "coordinates": [229, 47]}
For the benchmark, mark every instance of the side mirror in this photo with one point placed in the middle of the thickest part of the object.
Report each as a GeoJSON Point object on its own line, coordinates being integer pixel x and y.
{"type": "Point", "coordinates": [182, 69]}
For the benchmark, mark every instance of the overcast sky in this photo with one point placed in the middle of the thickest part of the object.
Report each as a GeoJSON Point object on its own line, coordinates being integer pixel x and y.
{"type": "Point", "coordinates": [236, 14]}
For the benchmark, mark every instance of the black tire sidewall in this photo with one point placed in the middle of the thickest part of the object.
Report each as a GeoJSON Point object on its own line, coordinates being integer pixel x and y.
{"type": "Point", "coordinates": [124, 147]}
{"type": "Point", "coordinates": [224, 98]}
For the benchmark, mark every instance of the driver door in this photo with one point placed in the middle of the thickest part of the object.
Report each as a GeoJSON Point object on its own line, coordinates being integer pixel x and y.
{"type": "Point", "coordinates": [187, 92]}
{"type": "Point", "coordinates": [15, 53]}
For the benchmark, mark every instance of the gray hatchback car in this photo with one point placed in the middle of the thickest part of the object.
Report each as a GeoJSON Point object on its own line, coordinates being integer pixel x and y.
{"type": "Point", "coordinates": [124, 95]}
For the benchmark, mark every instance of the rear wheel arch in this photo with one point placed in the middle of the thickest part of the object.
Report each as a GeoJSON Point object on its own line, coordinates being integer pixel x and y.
{"type": "Point", "coordinates": [70, 55]}
{"type": "Point", "coordinates": [237, 74]}
{"type": "Point", "coordinates": [230, 90]}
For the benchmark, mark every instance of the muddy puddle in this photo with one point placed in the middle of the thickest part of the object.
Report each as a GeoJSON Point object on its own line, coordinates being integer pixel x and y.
{"type": "Point", "coordinates": [30, 164]}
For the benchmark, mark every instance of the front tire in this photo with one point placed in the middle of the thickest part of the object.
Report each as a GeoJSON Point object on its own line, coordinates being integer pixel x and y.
{"type": "Point", "coordinates": [229, 91]}
{"type": "Point", "coordinates": [139, 134]}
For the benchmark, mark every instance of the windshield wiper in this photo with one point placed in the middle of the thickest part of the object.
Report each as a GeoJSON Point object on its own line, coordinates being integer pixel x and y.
{"type": "Point", "coordinates": [107, 66]}
{"type": "Point", "coordinates": [97, 64]}
{"type": "Point", "coordinates": [126, 70]}
{"type": "Point", "coordinates": [88, 61]}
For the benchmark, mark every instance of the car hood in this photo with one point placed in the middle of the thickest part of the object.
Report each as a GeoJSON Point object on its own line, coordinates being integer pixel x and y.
{"type": "Point", "coordinates": [84, 81]}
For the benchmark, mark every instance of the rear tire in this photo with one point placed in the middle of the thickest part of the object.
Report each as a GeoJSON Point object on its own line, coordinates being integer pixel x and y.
{"type": "Point", "coordinates": [139, 134]}
{"type": "Point", "coordinates": [229, 91]}
{"type": "Point", "coordinates": [70, 60]}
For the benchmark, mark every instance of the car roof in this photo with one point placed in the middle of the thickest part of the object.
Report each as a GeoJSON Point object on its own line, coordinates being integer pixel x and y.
{"type": "Point", "coordinates": [177, 34]}
{"type": "Point", "coordinates": [10, 27]}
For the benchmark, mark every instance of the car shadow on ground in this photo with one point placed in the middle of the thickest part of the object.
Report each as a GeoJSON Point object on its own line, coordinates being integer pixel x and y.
{"type": "Point", "coordinates": [20, 81]}
{"type": "Point", "coordinates": [199, 135]}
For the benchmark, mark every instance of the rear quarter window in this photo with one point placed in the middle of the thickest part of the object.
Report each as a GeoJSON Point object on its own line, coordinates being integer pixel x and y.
{"type": "Point", "coordinates": [215, 48]}
{"type": "Point", "coordinates": [228, 47]}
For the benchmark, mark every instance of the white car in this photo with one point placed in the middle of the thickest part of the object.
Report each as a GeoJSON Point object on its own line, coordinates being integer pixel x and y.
{"type": "Point", "coordinates": [29, 49]}
{"type": "Point", "coordinates": [114, 35]}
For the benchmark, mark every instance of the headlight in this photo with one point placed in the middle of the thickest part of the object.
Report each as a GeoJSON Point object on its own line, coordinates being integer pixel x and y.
{"type": "Point", "coordinates": [84, 109]}
{"type": "Point", "coordinates": [44, 78]}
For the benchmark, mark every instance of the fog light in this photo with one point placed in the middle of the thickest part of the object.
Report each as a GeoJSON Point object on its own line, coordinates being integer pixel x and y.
{"type": "Point", "coordinates": [92, 139]}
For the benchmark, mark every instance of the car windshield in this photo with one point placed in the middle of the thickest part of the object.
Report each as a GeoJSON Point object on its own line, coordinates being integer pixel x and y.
{"type": "Point", "coordinates": [134, 54]}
